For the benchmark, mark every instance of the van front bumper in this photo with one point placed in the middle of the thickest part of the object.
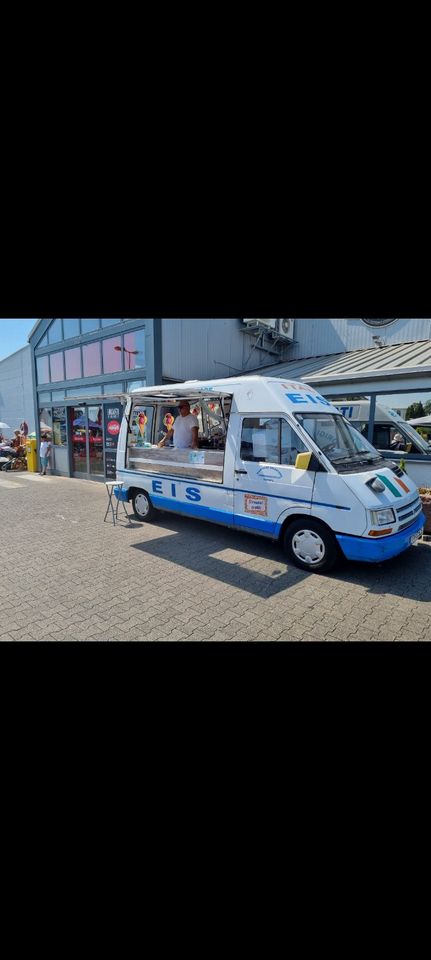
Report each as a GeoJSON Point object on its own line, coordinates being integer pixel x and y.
{"type": "Point", "coordinates": [374, 551]}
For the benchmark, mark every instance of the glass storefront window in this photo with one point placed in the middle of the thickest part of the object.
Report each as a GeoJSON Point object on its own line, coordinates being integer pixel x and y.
{"type": "Point", "coordinates": [112, 355]}
{"type": "Point", "coordinates": [45, 421]}
{"type": "Point", "coordinates": [59, 426]}
{"type": "Point", "coordinates": [42, 367]}
{"type": "Point", "coordinates": [87, 326]}
{"type": "Point", "coordinates": [95, 440]}
{"type": "Point", "coordinates": [73, 363]}
{"type": "Point", "coordinates": [71, 329]}
{"type": "Point", "coordinates": [135, 384]}
{"type": "Point", "coordinates": [91, 359]}
{"type": "Point", "coordinates": [113, 387]}
{"type": "Point", "coordinates": [44, 397]}
{"type": "Point", "coordinates": [43, 342]}
{"type": "Point", "coordinates": [84, 391]}
{"type": "Point", "coordinates": [109, 323]}
{"type": "Point", "coordinates": [58, 395]}
{"type": "Point", "coordinates": [134, 350]}
{"type": "Point", "coordinates": [86, 430]}
{"type": "Point", "coordinates": [56, 366]}
{"type": "Point", "coordinates": [55, 332]}
{"type": "Point", "coordinates": [78, 432]}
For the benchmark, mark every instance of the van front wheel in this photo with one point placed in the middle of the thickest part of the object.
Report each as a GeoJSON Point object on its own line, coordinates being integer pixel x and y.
{"type": "Point", "coordinates": [142, 506]}
{"type": "Point", "coordinates": [310, 545]}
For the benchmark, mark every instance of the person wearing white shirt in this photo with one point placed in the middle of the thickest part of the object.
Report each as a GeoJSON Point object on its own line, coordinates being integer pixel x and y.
{"type": "Point", "coordinates": [184, 430]}
{"type": "Point", "coordinates": [44, 451]}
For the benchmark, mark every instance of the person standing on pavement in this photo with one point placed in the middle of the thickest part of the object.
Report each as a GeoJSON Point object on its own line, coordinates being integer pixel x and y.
{"type": "Point", "coordinates": [184, 430]}
{"type": "Point", "coordinates": [44, 452]}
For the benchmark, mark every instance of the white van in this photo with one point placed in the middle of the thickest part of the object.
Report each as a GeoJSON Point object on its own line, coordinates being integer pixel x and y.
{"type": "Point", "coordinates": [393, 437]}
{"type": "Point", "coordinates": [276, 459]}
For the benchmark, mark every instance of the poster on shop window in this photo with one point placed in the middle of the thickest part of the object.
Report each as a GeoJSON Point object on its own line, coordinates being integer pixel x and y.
{"type": "Point", "coordinates": [113, 414]}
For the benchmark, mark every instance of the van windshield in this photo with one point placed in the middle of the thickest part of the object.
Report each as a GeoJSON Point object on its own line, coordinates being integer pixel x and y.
{"type": "Point", "coordinates": [337, 439]}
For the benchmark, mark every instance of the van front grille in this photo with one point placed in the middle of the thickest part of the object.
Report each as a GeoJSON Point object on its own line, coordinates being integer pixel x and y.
{"type": "Point", "coordinates": [409, 512]}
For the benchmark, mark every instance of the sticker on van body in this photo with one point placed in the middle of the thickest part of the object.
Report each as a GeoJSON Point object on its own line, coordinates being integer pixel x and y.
{"type": "Point", "coordinates": [256, 505]}
{"type": "Point", "coordinates": [197, 456]}
{"type": "Point", "coordinates": [269, 473]}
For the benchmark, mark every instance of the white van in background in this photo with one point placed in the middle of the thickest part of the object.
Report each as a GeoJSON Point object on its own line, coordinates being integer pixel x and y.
{"type": "Point", "coordinates": [393, 437]}
{"type": "Point", "coordinates": [275, 459]}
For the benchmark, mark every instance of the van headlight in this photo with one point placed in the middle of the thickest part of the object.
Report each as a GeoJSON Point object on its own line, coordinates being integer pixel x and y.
{"type": "Point", "coordinates": [381, 517]}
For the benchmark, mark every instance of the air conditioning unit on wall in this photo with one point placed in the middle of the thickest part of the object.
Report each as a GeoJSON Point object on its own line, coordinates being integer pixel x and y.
{"type": "Point", "coordinates": [258, 324]}
{"type": "Point", "coordinates": [284, 329]}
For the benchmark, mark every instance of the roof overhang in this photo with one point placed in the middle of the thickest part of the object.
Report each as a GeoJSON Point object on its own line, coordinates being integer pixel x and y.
{"type": "Point", "coordinates": [366, 381]}
{"type": "Point", "coordinates": [398, 368]}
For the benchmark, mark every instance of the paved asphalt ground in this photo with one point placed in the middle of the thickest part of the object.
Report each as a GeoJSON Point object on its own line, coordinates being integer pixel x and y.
{"type": "Point", "coordinates": [66, 575]}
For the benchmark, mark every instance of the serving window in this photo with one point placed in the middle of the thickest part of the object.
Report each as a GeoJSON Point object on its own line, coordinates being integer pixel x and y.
{"type": "Point", "coordinates": [149, 424]}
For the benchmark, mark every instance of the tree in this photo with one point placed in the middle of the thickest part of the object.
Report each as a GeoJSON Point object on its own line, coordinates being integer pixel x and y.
{"type": "Point", "coordinates": [427, 408]}
{"type": "Point", "coordinates": [415, 411]}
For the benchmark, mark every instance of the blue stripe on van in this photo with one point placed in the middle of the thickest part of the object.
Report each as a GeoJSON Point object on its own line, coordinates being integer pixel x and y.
{"type": "Point", "coordinates": [201, 512]}
{"type": "Point", "coordinates": [219, 486]}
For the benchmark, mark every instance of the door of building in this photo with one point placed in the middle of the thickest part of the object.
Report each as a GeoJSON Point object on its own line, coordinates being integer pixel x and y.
{"type": "Point", "coordinates": [86, 432]}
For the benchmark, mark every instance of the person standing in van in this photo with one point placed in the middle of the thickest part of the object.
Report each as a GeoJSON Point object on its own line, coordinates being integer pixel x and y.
{"type": "Point", "coordinates": [184, 430]}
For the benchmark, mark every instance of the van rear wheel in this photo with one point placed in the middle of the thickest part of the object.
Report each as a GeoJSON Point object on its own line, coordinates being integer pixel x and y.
{"type": "Point", "coordinates": [310, 545]}
{"type": "Point", "coordinates": [142, 506]}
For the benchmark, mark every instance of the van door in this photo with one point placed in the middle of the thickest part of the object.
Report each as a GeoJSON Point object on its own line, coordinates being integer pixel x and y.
{"type": "Point", "coordinates": [266, 482]}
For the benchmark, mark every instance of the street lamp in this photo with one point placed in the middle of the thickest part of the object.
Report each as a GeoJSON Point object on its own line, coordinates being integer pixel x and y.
{"type": "Point", "coordinates": [129, 352]}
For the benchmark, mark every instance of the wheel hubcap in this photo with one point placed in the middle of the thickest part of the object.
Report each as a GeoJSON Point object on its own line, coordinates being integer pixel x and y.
{"type": "Point", "coordinates": [142, 505]}
{"type": "Point", "coordinates": [308, 546]}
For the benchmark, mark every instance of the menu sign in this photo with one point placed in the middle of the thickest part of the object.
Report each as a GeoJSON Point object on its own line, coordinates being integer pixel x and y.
{"type": "Point", "coordinates": [111, 464]}
{"type": "Point", "coordinates": [113, 414]}
{"type": "Point", "coordinates": [112, 419]}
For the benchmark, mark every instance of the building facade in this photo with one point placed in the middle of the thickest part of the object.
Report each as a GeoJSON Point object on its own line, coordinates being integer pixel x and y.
{"type": "Point", "coordinates": [80, 368]}
{"type": "Point", "coordinates": [317, 338]}
{"type": "Point", "coordinates": [16, 391]}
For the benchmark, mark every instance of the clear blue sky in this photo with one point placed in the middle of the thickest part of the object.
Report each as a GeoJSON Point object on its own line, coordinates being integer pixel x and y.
{"type": "Point", "coordinates": [13, 335]}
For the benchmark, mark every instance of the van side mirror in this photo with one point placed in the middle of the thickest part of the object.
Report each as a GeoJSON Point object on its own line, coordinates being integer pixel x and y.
{"type": "Point", "coordinates": [303, 461]}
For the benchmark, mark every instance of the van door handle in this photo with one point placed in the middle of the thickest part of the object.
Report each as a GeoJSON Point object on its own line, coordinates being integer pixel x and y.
{"type": "Point", "coordinates": [241, 471]}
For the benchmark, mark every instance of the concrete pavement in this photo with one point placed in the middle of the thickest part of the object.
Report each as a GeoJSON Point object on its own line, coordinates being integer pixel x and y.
{"type": "Point", "coordinates": [66, 575]}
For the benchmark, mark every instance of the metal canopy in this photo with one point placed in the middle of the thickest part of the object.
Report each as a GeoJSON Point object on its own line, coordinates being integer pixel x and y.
{"type": "Point", "coordinates": [402, 359]}
{"type": "Point", "coordinates": [405, 366]}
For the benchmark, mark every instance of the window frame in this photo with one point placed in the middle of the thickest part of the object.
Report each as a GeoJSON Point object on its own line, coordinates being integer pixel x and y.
{"type": "Point", "coordinates": [281, 419]}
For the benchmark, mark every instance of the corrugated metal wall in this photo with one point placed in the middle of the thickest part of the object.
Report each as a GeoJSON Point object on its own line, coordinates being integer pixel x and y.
{"type": "Point", "coordinates": [217, 348]}
{"type": "Point", "coordinates": [316, 338]}
{"type": "Point", "coordinates": [16, 390]}
{"type": "Point", "coordinates": [210, 349]}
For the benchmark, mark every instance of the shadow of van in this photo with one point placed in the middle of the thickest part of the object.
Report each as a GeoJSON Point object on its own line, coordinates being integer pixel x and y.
{"type": "Point", "coordinates": [252, 564]}
{"type": "Point", "coordinates": [259, 566]}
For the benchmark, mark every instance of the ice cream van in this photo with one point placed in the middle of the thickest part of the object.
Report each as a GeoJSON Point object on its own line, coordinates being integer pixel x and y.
{"type": "Point", "coordinates": [274, 458]}
{"type": "Point", "coordinates": [393, 437]}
